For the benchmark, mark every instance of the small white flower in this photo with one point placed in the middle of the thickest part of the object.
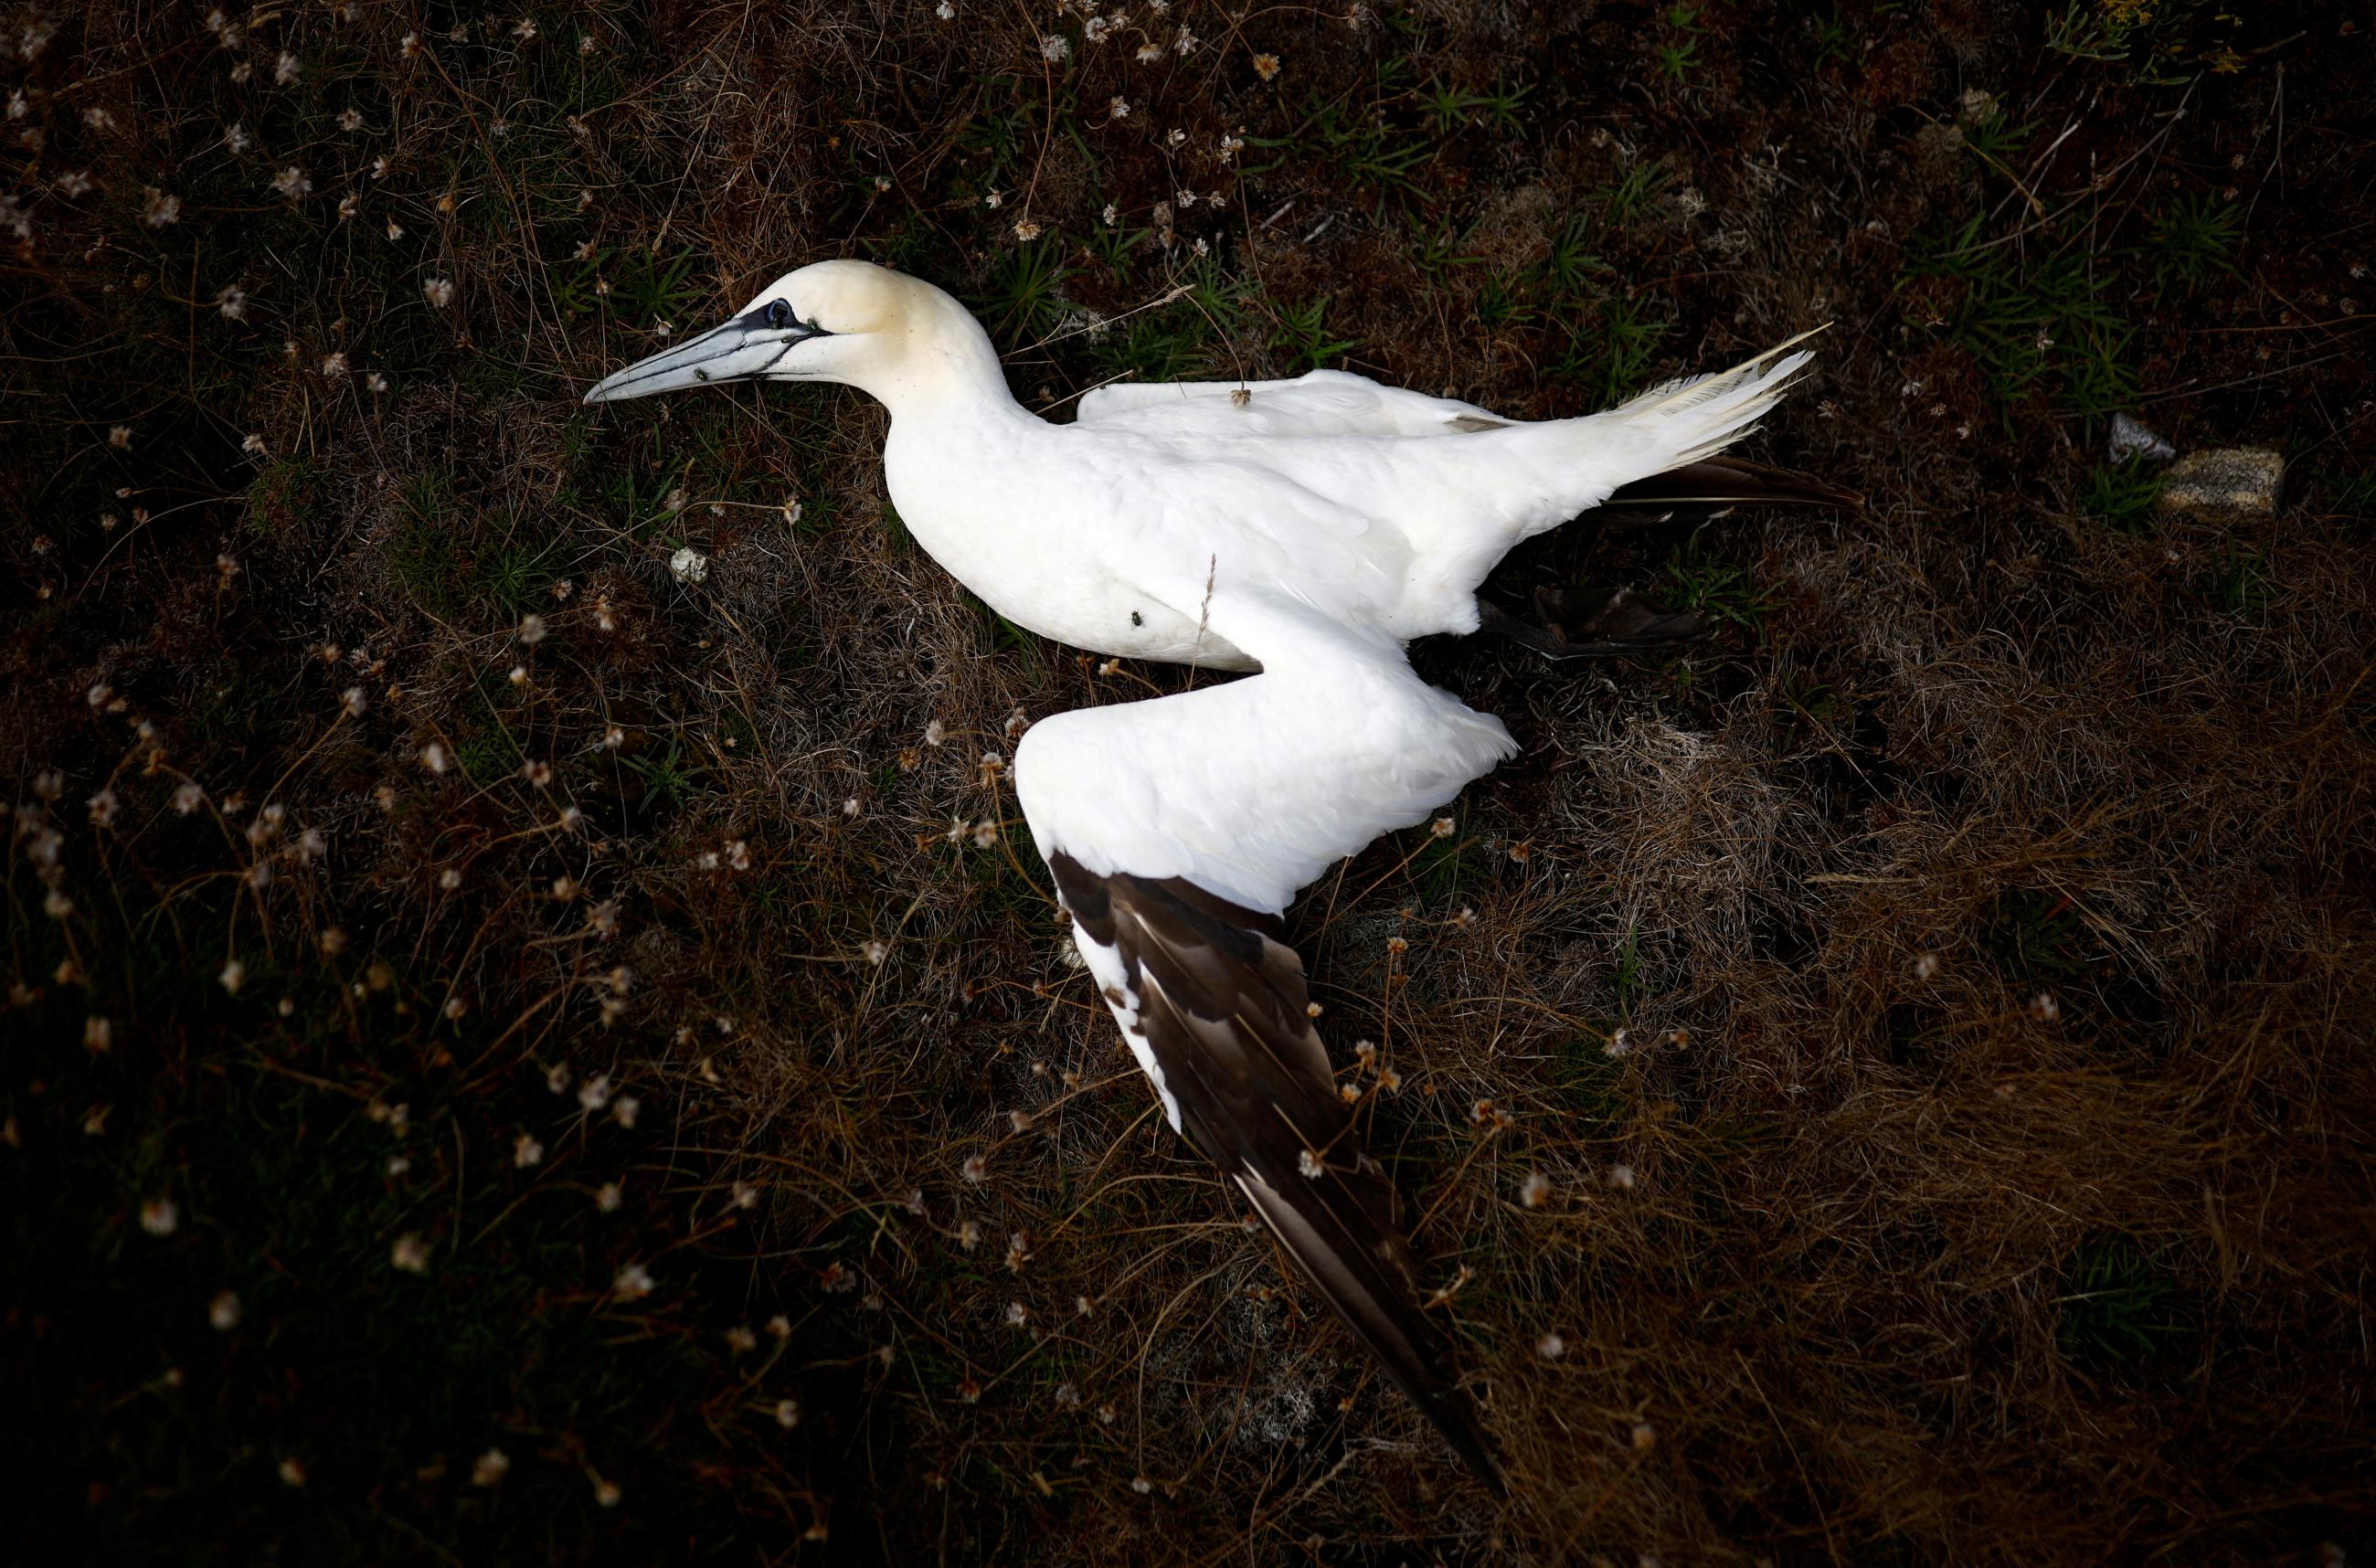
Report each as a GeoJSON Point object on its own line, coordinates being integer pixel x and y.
{"type": "Point", "coordinates": [933, 733]}
{"type": "Point", "coordinates": [223, 1312]}
{"type": "Point", "coordinates": [1026, 231]}
{"type": "Point", "coordinates": [1055, 47]}
{"type": "Point", "coordinates": [294, 183]}
{"type": "Point", "coordinates": [161, 1216]}
{"type": "Point", "coordinates": [1310, 1164]}
{"type": "Point", "coordinates": [160, 210]}
{"type": "Point", "coordinates": [606, 1494]}
{"type": "Point", "coordinates": [787, 1411]}
{"type": "Point", "coordinates": [1622, 1178]}
{"type": "Point", "coordinates": [292, 1472]}
{"type": "Point", "coordinates": [595, 1093]}
{"type": "Point", "coordinates": [1120, 109]}
{"type": "Point", "coordinates": [974, 1169]}
{"type": "Point", "coordinates": [689, 565]}
{"type": "Point", "coordinates": [1552, 1346]}
{"type": "Point", "coordinates": [233, 302]}
{"type": "Point", "coordinates": [98, 1036]}
{"type": "Point", "coordinates": [1018, 1315]}
{"type": "Point", "coordinates": [993, 200]}
{"type": "Point", "coordinates": [233, 975]}
{"type": "Point", "coordinates": [77, 183]}
{"type": "Point", "coordinates": [350, 120]}
{"type": "Point", "coordinates": [524, 31]}
{"type": "Point", "coordinates": [1536, 1190]}
{"type": "Point", "coordinates": [438, 292]}
{"type": "Point", "coordinates": [527, 1152]}
{"type": "Point", "coordinates": [633, 1284]}
{"type": "Point", "coordinates": [334, 366]}
{"type": "Point", "coordinates": [491, 1467]}
{"type": "Point", "coordinates": [2044, 1008]}
{"type": "Point", "coordinates": [287, 69]}
{"type": "Point", "coordinates": [236, 138]}
{"type": "Point", "coordinates": [607, 1196]}
{"type": "Point", "coordinates": [1926, 967]}
{"type": "Point", "coordinates": [435, 758]}
{"type": "Point", "coordinates": [410, 1253]}
{"type": "Point", "coordinates": [624, 1111]}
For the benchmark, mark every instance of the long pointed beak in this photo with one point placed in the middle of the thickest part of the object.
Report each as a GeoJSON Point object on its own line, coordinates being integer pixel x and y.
{"type": "Point", "coordinates": [743, 349]}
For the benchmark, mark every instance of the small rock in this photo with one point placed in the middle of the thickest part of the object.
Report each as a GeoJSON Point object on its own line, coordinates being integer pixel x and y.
{"type": "Point", "coordinates": [2131, 438]}
{"type": "Point", "coordinates": [2226, 484]}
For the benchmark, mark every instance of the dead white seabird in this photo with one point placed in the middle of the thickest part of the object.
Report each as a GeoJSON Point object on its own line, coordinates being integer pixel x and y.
{"type": "Point", "coordinates": [1305, 529]}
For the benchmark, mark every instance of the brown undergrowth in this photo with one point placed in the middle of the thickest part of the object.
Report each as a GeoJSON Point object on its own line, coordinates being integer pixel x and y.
{"type": "Point", "coordinates": [1892, 1085]}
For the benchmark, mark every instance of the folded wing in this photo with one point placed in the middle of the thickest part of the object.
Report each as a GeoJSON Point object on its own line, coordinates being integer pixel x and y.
{"type": "Point", "coordinates": [1179, 828]}
{"type": "Point", "coordinates": [1321, 402]}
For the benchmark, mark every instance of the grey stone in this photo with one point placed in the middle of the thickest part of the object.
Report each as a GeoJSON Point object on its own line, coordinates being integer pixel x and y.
{"type": "Point", "coordinates": [2133, 439]}
{"type": "Point", "coordinates": [2226, 484]}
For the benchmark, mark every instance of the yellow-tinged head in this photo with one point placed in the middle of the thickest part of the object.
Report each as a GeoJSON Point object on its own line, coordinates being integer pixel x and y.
{"type": "Point", "coordinates": [888, 334]}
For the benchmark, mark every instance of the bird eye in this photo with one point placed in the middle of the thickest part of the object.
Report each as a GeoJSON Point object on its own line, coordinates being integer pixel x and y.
{"type": "Point", "coordinates": [778, 312]}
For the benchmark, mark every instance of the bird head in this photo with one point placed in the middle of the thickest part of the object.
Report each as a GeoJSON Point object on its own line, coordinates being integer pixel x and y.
{"type": "Point", "coordinates": [851, 322]}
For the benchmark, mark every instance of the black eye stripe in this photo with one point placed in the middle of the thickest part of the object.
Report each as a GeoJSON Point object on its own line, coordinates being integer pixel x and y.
{"type": "Point", "coordinates": [778, 312]}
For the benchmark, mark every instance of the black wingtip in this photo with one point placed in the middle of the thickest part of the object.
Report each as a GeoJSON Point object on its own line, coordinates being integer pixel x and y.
{"type": "Point", "coordinates": [1218, 1000]}
{"type": "Point", "coordinates": [1456, 1416]}
{"type": "Point", "coordinates": [1731, 482]}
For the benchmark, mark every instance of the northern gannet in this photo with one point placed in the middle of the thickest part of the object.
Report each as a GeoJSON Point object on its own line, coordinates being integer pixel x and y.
{"type": "Point", "coordinates": [1305, 529]}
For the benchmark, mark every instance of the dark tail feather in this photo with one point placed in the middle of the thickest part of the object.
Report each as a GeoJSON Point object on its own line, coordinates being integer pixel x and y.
{"type": "Point", "coordinates": [1724, 482]}
{"type": "Point", "coordinates": [1361, 1267]}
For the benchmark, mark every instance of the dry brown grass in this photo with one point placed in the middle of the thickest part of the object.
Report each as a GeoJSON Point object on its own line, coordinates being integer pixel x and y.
{"type": "Point", "coordinates": [1839, 1248]}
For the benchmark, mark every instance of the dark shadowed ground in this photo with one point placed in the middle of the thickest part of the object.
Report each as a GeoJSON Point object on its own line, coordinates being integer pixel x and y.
{"type": "Point", "coordinates": [515, 1057]}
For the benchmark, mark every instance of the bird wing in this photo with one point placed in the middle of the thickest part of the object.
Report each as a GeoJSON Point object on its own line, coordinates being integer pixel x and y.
{"type": "Point", "coordinates": [1321, 402]}
{"type": "Point", "coordinates": [1178, 829]}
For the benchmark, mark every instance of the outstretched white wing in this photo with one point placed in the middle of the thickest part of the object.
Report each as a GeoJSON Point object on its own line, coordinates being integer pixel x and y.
{"type": "Point", "coordinates": [1179, 828]}
{"type": "Point", "coordinates": [1321, 402]}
